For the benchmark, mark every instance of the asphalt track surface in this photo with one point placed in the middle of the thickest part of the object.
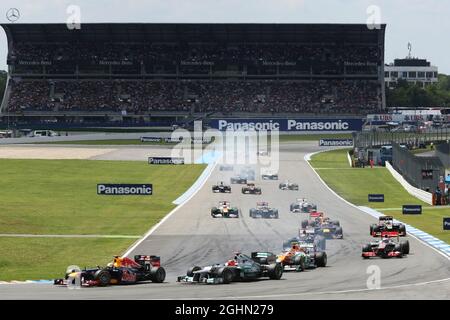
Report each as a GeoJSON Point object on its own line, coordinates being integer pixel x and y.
{"type": "Point", "coordinates": [191, 237]}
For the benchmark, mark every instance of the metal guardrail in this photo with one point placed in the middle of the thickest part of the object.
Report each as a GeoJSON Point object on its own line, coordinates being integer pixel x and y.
{"type": "Point", "coordinates": [371, 139]}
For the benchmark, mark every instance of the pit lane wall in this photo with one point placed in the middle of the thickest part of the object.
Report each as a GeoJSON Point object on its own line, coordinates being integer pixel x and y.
{"type": "Point", "coordinates": [416, 192]}
{"type": "Point", "coordinates": [288, 124]}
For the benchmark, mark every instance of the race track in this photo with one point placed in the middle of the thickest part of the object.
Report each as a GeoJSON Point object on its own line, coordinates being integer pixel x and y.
{"type": "Point", "coordinates": [191, 237]}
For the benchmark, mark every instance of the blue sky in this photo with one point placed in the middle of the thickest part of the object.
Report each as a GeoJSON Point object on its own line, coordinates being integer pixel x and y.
{"type": "Point", "coordinates": [424, 23]}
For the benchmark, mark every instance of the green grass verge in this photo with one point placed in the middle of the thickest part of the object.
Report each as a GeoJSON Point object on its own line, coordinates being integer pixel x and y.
{"type": "Point", "coordinates": [48, 258]}
{"type": "Point", "coordinates": [354, 184]}
{"type": "Point", "coordinates": [59, 197]}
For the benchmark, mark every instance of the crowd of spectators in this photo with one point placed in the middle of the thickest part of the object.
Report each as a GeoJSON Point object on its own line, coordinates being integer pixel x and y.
{"type": "Point", "coordinates": [95, 53]}
{"type": "Point", "coordinates": [226, 96]}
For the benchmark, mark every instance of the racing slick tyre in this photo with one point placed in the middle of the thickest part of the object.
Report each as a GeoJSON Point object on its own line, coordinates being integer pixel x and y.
{"type": "Point", "coordinates": [399, 247]}
{"type": "Point", "coordinates": [275, 213]}
{"type": "Point", "coordinates": [402, 229]}
{"type": "Point", "coordinates": [299, 261]}
{"type": "Point", "coordinates": [372, 227]}
{"type": "Point", "coordinates": [213, 212]}
{"type": "Point", "coordinates": [304, 224]}
{"type": "Point", "coordinates": [103, 277]}
{"type": "Point", "coordinates": [252, 213]}
{"type": "Point", "coordinates": [338, 232]}
{"type": "Point", "coordinates": [405, 246]}
{"type": "Point", "coordinates": [157, 274]}
{"type": "Point", "coordinates": [366, 248]}
{"type": "Point", "coordinates": [190, 272]}
{"type": "Point", "coordinates": [321, 259]}
{"type": "Point", "coordinates": [226, 274]}
{"type": "Point", "coordinates": [275, 271]}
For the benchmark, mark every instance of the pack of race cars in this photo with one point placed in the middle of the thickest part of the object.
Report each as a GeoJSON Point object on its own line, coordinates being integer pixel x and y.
{"type": "Point", "coordinates": [306, 250]}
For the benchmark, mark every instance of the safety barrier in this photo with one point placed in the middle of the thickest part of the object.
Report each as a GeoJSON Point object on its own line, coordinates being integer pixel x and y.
{"type": "Point", "coordinates": [416, 192]}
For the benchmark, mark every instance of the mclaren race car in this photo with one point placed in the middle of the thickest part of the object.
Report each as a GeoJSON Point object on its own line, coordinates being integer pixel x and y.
{"type": "Point", "coordinates": [387, 228]}
{"type": "Point", "coordinates": [302, 206]}
{"type": "Point", "coordinates": [120, 271]}
{"type": "Point", "coordinates": [224, 210]}
{"type": "Point", "coordinates": [240, 268]}
{"type": "Point", "coordinates": [288, 185]}
{"type": "Point", "coordinates": [221, 188]}
{"type": "Point", "coordinates": [385, 248]}
{"type": "Point", "coordinates": [330, 229]}
{"type": "Point", "coordinates": [238, 180]}
{"type": "Point", "coordinates": [263, 210]}
{"type": "Point", "coordinates": [250, 188]}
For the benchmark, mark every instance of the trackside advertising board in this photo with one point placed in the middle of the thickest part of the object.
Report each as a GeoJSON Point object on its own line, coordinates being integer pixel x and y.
{"type": "Point", "coordinates": [446, 223]}
{"type": "Point", "coordinates": [165, 160]}
{"type": "Point", "coordinates": [376, 197]}
{"type": "Point", "coordinates": [412, 209]}
{"type": "Point", "coordinates": [125, 189]}
{"type": "Point", "coordinates": [288, 125]}
{"type": "Point", "coordinates": [336, 142]}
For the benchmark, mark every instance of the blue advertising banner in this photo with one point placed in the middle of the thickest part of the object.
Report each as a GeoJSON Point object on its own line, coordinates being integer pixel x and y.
{"type": "Point", "coordinates": [446, 223]}
{"type": "Point", "coordinates": [412, 209]}
{"type": "Point", "coordinates": [376, 197]}
{"type": "Point", "coordinates": [289, 125]}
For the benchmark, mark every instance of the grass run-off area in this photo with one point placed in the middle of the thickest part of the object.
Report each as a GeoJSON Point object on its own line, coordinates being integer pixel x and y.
{"type": "Point", "coordinates": [283, 138]}
{"type": "Point", "coordinates": [354, 185]}
{"type": "Point", "coordinates": [59, 197]}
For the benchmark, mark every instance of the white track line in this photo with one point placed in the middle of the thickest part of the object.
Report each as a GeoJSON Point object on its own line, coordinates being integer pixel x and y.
{"type": "Point", "coordinates": [155, 227]}
{"type": "Point", "coordinates": [309, 155]}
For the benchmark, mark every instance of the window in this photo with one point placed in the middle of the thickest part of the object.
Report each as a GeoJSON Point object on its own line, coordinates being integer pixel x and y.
{"type": "Point", "coordinates": [412, 74]}
{"type": "Point", "coordinates": [394, 74]}
{"type": "Point", "coordinates": [420, 74]}
{"type": "Point", "coordinates": [435, 74]}
{"type": "Point", "coordinates": [404, 74]}
{"type": "Point", "coordinates": [386, 74]}
{"type": "Point", "coordinates": [429, 75]}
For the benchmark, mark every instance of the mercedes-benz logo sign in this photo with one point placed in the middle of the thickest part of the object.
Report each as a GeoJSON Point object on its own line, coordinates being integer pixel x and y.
{"type": "Point", "coordinates": [13, 14]}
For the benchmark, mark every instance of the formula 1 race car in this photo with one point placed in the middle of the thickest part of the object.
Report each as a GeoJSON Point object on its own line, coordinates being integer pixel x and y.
{"type": "Point", "coordinates": [269, 175]}
{"type": "Point", "coordinates": [221, 188]}
{"type": "Point", "coordinates": [387, 228]}
{"type": "Point", "coordinates": [288, 185]}
{"type": "Point", "coordinates": [307, 235]}
{"type": "Point", "coordinates": [224, 210]}
{"type": "Point", "coordinates": [238, 180]}
{"type": "Point", "coordinates": [330, 229]}
{"type": "Point", "coordinates": [385, 248]}
{"type": "Point", "coordinates": [120, 271]}
{"type": "Point", "coordinates": [226, 167]}
{"type": "Point", "coordinates": [263, 210]}
{"type": "Point", "coordinates": [301, 205]}
{"type": "Point", "coordinates": [240, 268]}
{"type": "Point", "coordinates": [250, 188]}
{"type": "Point", "coordinates": [301, 256]}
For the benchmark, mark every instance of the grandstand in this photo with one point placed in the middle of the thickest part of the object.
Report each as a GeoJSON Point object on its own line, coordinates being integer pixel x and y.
{"type": "Point", "coordinates": [140, 73]}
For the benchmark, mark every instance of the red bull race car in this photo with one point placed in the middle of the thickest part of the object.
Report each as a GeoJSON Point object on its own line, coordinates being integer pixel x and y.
{"type": "Point", "coordinates": [122, 270]}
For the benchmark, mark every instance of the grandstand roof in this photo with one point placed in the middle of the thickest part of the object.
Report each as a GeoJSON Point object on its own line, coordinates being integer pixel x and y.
{"type": "Point", "coordinates": [174, 32]}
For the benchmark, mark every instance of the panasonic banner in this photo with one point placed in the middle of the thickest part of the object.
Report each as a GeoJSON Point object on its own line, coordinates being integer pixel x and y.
{"type": "Point", "coordinates": [125, 189]}
{"type": "Point", "coordinates": [288, 125]}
